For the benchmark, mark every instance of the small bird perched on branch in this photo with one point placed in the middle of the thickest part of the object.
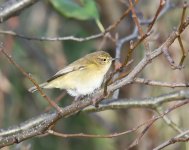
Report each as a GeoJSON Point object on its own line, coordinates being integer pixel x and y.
{"type": "Point", "coordinates": [82, 76]}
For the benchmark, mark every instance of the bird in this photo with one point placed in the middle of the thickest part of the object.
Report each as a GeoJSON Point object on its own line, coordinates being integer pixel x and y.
{"type": "Point", "coordinates": [81, 77]}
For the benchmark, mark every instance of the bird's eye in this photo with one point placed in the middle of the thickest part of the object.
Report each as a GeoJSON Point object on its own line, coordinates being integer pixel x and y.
{"type": "Point", "coordinates": [104, 59]}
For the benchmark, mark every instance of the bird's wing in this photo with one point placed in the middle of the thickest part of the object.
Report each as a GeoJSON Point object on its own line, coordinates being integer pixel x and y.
{"type": "Point", "coordinates": [66, 70]}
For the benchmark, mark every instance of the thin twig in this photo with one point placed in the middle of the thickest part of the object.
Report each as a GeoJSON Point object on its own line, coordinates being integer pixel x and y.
{"type": "Point", "coordinates": [137, 23]}
{"type": "Point", "coordinates": [58, 99]}
{"type": "Point", "coordinates": [169, 122]}
{"type": "Point", "coordinates": [40, 124]}
{"type": "Point", "coordinates": [154, 119]}
{"type": "Point", "coordinates": [149, 123]}
{"type": "Point", "coordinates": [176, 139]}
{"type": "Point", "coordinates": [160, 83]}
{"type": "Point", "coordinates": [52, 103]}
{"type": "Point", "coordinates": [133, 46]}
{"type": "Point", "coordinates": [83, 135]}
{"type": "Point", "coordinates": [178, 33]}
{"type": "Point", "coordinates": [184, 53]}
{"type": "Point", "coordinates": [142, 35]}
{"type": "Point", "coordinates": [183, 16]}
{"type": "Point", "coordinates": [169, 58]}
{"type": "Point", "coordinates": [119, 20]}
{"type": "Point", "coordinates": [160, 11]}
{"type": "Point", "coordinates": [161, 6]}
{"type": "Point", "coordinates": [12, 33]}
{"type": "Point", "coordinates": [73, 38]}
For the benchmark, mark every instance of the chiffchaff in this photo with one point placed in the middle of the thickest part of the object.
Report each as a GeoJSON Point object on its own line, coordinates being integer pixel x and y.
{"type": "Point", "coordinates": [82, 76]}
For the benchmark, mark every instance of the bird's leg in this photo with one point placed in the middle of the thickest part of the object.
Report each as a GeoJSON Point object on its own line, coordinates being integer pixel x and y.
{"type": "Point", "coordinates": [95, 103]}
{"type": "Point", "coordinates": [97, 99]}
{"type": "Point", "coordinates": [77, 98]}
{"type": "Point", "coordinates": [94, 100]}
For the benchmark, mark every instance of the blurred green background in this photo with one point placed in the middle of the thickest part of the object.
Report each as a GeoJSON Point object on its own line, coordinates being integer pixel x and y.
{"type": "Point", "coordinates": [44, 58]}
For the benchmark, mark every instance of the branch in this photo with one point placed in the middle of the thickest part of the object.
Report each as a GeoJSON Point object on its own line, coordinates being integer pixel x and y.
{"type": "Point", "coordinates": [108, 29]}
{"type": "Point", "coordinates": [67, 38]}
{"type": "Point", "coordinates": [42, 123]}
{"type": "Point", "coordinates": [13, 7]}
{"type": "Point", "coordinates": [168, 121]}
{"type": "Point", "coordinates": [147, 59]}
{"type": "Point", "coordinates": [160, 12]}
{"type": "Point", "coordinates": [83, 135]}
{"type": "Point", "coordinates": [154, 119]}
{"type": "Point", "coordinates": [148, 124]}
{"type": "Point", "coordinates": [184, 53]}
{"type": "Point", "coordinates": [176, 139]}
{"type": "Point", "coordinates": [52, 103]}
{"type": "Point", "coordinates": [151, 103]}
{"type": "Point", "coordinates": [160, 83]}
{"type": "Point", "coordinates": [133, 35]}
{"type": "Point", "coordinates": [137, 23]}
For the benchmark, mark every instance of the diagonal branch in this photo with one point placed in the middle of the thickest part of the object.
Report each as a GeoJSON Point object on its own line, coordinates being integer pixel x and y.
{"type": "Point", "coordinates": [154, 119]}
{"type": "Point", "coordinates": [43, 122]}
{"type": "Point", "coordinates": [40, 124]}
{"type": "Point", "coordinates": [52, 103]}
{"type": "Point", "coordinates": [176, 139]}
{"type": "Point", "coordinates": [13, 7]}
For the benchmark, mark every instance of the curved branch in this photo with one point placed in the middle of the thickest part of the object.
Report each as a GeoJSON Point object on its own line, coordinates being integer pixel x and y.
{"type": "Point", "coordinates": [151, 103]}
{"type": "Point", "coordinates": [176, 139]}
{"type": "Point", "coordinates": [13, 7]}
{"type": "Point", "coordinates": [38, 126]}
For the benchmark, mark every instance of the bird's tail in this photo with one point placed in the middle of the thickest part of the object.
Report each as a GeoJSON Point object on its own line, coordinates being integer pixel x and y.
{"type": "Point", "coordinates": [34, 88]}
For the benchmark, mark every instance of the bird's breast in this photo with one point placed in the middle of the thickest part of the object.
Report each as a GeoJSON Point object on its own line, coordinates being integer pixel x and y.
{"type": "Point", "coordinates": [81, 82]}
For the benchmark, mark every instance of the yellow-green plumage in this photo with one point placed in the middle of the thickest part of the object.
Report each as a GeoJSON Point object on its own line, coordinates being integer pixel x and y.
{"type": "Point", "coordinates": [82, 76]}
